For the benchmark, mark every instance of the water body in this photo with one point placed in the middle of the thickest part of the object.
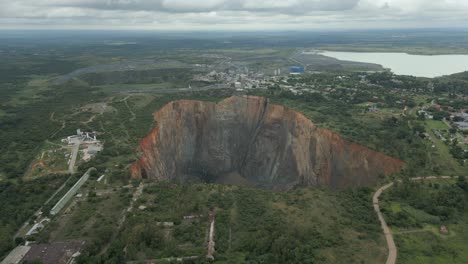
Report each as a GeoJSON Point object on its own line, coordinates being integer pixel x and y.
{"type": "Point", "coordinates": [407, 64]}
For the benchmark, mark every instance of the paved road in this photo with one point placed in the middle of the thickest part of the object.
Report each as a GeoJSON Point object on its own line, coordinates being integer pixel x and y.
{"type": "Point", "coordinates": [74, 154]}
{"type": "Point", "coordinates": [178, 90]}
{"type": "Point", "coordinates": [392, 250]}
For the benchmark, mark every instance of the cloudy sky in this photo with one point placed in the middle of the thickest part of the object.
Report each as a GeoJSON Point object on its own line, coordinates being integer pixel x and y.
{"type": "Point", "coordinates": [232, 14]}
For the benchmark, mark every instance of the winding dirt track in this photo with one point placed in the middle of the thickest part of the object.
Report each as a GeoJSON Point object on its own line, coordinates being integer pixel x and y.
{"type": "Point", "coordinates": [392, 250]}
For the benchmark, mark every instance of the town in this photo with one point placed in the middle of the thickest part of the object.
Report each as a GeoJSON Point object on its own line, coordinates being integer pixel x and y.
{"type": "Point", "coordinates": [379, 93]}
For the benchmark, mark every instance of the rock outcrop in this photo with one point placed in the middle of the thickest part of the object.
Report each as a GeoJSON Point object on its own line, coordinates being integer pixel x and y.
{"type": "Point", "coordinates": [248, 140]}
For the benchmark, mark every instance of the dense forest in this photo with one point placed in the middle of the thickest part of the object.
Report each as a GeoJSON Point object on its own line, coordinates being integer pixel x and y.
{"type": "Point", "coordinates": [18, 202]}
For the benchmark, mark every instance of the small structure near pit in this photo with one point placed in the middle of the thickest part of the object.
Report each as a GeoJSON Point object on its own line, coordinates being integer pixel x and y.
{"type": "Point", "coordinates": [444, 230]}
{"type": "Point", "coordinates": [190, 217]}
{"type": "Point", "coordinates": [38, 226]}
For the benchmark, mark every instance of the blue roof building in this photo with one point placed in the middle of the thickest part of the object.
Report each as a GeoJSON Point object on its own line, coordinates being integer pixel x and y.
{"type": "Point", "coordinates": [297, 69]}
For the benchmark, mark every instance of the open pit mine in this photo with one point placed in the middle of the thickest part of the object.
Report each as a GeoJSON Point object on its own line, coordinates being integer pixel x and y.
{"type": "Point", "coordinates": [251, 142]}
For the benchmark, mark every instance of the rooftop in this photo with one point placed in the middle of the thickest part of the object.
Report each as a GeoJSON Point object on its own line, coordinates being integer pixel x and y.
{"type": "Point", "coordinates": [54, 253]}
{"type": "Point", "coordinates": [16, 255]}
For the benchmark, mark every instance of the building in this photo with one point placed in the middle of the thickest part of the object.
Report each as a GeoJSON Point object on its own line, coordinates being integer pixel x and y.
{"type": "Point", "coordinates": [437, 106]}
{"type": "Point", "coordinates": [16, 255]}
{"type": "Point", "coordinates": [190, 217]}
{"type": "Point", "coordinates": [373, 109]}
{"type": "Point", "coordinates": [462, 125]}
{"type": "Point", "coordinates": [54, 253]}
{"type": "Point", "coordinates": [37, 227]}
{"type": "Point", "coordinates": [71, 193]}
{"type": "Point", "coordinates": [297, 69]}
{"type": "Point", "coordinates": [101, 177]}
{"type": "Point", "coordinates": [462, 116]}
{"type": "Point", "coordinates": [444, 230]}
{"type": "Point", "coordinates": [426, 114]}
{"type": "Point", "coordinates": [80, 137]}
{"type": "Point", "coordinates": [94, 149]}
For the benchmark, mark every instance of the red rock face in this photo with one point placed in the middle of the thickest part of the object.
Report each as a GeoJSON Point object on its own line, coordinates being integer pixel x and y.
{"type": "Point", "coordinates": [265, 145]}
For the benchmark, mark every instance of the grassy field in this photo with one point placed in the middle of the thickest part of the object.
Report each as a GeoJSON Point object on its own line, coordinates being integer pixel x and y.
{"type": "Point", "coordinates": [429, 246]}
{"type": "Point", "coordinates": [415, 214]}
{"type": "Point", "coordinates": [441, 158]}
{"type": "Point", "coordinates": [435, 124]}
{"type": "Point", "coordinates": [51, 159]}
{"type": "Point", "coordinates": [116, 88]}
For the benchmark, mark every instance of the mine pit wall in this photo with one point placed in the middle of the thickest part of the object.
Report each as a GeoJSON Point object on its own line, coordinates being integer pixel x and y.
{"type": "Point", "coordinates": [269, 145]}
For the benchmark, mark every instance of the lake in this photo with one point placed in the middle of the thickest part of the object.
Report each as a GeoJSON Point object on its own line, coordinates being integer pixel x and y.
{"type": "Point", "coordinates": [407, 64]}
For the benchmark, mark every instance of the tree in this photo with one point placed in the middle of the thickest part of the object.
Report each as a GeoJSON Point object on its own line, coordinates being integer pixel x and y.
{"type": "Point", "coordinates": [19, 240]}
{"type": "Point", "coordinates": [461, 182]}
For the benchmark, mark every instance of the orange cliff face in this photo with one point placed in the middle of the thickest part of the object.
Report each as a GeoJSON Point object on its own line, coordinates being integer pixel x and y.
{"type": "Point", "coordinates": [263, 144]}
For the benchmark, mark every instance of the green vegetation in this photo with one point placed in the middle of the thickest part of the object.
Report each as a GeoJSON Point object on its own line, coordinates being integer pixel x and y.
{"type": "Point", "coordinates": [435, 124]}
{"type": "Point", "coordinates": [92, 219]}
{"type": "Point", "coordinates": [52, 159]}
{"type": "Point", "coordinates": [251, 226]}
{"type": "Point", "coordinates": [19, 201]}
{"type": "Point", "coordinates": [416, 211]}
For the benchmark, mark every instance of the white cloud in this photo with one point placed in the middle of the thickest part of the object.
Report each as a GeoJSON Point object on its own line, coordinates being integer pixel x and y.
{"type": "Point", "coordinates": [184, 5]}
{"type": "Point", "coordinates": [232, 14]}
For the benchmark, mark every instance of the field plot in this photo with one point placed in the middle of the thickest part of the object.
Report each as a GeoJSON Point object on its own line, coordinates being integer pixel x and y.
{"type": "Point", "coordinates": [92, 216]}
{"type": "Point", "coordinates": [52, 159]}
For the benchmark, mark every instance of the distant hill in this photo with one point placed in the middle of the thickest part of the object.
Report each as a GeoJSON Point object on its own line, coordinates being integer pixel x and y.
{"type": "Point", "coordinates": [459, 76]}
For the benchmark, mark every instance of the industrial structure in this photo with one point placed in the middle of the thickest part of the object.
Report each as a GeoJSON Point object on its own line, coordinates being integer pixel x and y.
{"type": "Point", "coordinates": [71, 193]}
{"type": "Point", "coordinates": [80, 137]}
{"type": "Point", "coordinates": [37, 227]}
{"type": "Point", "coordinates": [87, 142]}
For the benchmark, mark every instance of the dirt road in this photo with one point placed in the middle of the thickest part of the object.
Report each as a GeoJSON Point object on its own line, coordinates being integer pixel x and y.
{"type": "Point", "coordinates": [211, 242]}
{"type": "Point", "coordinates": [392, 250]}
